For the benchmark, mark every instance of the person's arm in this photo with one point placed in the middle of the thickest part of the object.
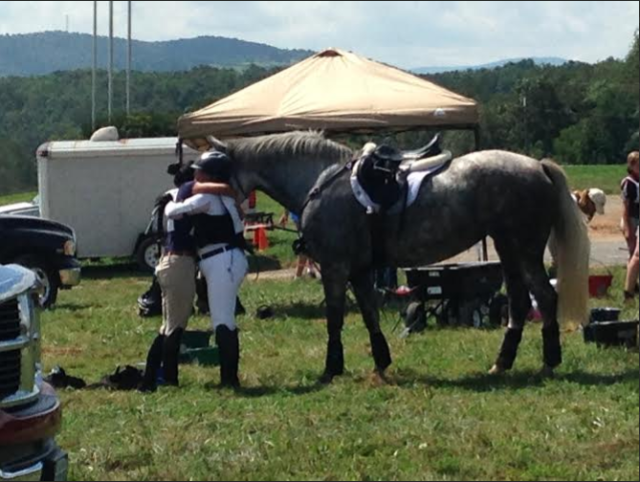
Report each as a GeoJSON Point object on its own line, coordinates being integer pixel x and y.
{"type": "Point", "coordinates": [284, 219]}
{"type": "Point", "coordinates": [214, 188]}
{"type": "Point", "coordinates": [194, 205]}
{"type": "Point", "coordinates": [626, 213]}
{"type": "Point", "coordinates": [626, 227]}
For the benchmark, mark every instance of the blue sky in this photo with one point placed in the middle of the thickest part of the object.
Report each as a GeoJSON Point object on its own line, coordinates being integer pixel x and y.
{"type": "Point", "coordinates": [407, 34]}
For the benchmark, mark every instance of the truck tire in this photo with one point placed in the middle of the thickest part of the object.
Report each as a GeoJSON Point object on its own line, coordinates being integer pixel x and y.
{"type": "Point", "coordinates": [148, 254]}
{"type": "Point", "coordinates": [46, 275]}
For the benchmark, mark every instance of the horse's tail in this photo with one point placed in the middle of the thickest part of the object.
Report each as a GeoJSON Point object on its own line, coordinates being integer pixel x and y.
{"type": "Point", "coordinates": [574, 251]}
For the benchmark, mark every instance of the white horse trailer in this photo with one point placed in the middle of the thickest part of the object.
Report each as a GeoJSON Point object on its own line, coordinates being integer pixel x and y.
{"type": "Point", "coordinates": [106, 190]}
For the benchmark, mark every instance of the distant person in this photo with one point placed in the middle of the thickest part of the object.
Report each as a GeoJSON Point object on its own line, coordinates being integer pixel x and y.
{"type": "Point", "coordinates": [631, 197]}
{"type": "Point", "coordinates": [303, 261]}
{"type": "Point", "coordinates": [631, 285]}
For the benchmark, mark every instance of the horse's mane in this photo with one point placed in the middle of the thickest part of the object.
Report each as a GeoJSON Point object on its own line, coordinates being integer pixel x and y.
{"type": "Point", "coordinates": [298, 143]}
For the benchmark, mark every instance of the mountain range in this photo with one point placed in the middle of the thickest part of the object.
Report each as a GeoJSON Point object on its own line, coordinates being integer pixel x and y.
{"type": "Point", "coordinates": [46, 52]}
{"type": "Point", "coordinates": [493, 65]}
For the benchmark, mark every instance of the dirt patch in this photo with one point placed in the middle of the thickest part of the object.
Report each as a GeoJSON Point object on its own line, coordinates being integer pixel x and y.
{"type": "Point", "coordinates": [62, 351]}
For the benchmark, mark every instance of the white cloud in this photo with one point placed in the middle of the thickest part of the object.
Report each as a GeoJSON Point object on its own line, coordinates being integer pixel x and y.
{"type": "Point", "coordinates": [405, 33]}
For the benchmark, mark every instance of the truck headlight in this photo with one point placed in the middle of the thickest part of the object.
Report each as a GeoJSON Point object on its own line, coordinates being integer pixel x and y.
{"type": "Point", "coordinates": [70, 248]}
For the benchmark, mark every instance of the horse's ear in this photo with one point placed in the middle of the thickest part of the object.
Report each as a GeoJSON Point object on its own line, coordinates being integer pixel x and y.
{"type": "Point", "coordinates": [217, 144]}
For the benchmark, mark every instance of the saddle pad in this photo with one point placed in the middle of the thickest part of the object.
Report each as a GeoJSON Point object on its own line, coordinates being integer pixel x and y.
{"type": "Point", "coordinates": [414, 181]}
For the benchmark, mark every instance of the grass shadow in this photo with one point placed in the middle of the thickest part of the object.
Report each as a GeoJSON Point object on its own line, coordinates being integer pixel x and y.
{"type": "Point", "coordinates": [73, 307]}
{"type": "Point", "coordinates": [517, 380]}
{"type": "Point", "coordinates": [302, 310]}
{"type": "Point", "coordinates": [307, 310]}
{"type": "Point", "coordinates": [259, 263]}
{"type": "Point", "coordinates": [266, 391]}
{"type": "Point", "coordinates": [111, 271]}
{"type": "Point", "coordinates": [271, 390]}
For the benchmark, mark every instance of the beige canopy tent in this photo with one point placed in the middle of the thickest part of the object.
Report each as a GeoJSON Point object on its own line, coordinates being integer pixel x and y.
{"type": "Point", "coordinates": [335, 91]}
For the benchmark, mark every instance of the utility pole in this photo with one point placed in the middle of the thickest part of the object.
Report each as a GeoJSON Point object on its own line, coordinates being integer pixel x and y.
{"type": "Point", "coordinates": [526, 124]}
{"type": "Point", "coordinates": [129, 54]}
{"type": "Point", "coordinates": [95, 66]}
{"type": "Point", "coordinates": [110, 74]}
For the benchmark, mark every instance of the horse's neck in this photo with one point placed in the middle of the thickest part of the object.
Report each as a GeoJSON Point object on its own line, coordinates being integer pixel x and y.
{"type": "Point", "coordinates": [289, 182]}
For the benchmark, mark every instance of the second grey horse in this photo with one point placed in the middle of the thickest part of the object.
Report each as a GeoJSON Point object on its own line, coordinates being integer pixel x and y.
{"type": "Point", "coordinates": [516, 200]}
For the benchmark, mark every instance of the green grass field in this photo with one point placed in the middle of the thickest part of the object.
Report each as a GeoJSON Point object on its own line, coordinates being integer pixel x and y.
{"type": "Point", "coordinates": [607, 178]}
{"type": "Point", "coordinates": [440, 418]}
{"type": "Point", "coordinates": [17, 198]}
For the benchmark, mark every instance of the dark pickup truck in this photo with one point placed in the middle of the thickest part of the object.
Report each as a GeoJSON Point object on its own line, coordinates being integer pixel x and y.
{"type": "Point", "coordinates": [45, 247]}
{"type": "Point", "coordinates": [30, 412]}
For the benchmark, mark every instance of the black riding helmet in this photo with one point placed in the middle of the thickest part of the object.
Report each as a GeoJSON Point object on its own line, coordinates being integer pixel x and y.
{"type": "Point", "coordinates": [215, 164]}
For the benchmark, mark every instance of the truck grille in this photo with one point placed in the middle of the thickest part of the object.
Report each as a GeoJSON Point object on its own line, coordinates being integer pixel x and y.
{"type": "Point", "coordinates": [10, 373]}
{"type": "Point", "coordinates": [9, 320]}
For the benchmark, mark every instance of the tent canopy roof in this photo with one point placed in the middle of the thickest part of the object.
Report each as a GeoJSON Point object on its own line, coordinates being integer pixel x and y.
{"type": "Point", "coordinates": [335, 91]}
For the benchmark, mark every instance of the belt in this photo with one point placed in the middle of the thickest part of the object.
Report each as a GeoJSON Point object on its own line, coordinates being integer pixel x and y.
{"type": "Point", "coordinates": [215, 252]}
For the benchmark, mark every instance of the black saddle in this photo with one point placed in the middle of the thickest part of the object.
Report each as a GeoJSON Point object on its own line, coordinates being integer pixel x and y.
{"type": "Point", "coordinates": [378, 171]}
{"type": "Point", "coordinates": [393, 154]}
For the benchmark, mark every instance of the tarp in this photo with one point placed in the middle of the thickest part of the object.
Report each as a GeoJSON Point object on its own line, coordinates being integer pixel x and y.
{"type": "Point", "coordinates": [335, 91]}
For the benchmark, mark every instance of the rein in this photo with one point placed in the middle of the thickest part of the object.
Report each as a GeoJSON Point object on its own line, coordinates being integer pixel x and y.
{"type": "Point", "coordinates": [317, 190]}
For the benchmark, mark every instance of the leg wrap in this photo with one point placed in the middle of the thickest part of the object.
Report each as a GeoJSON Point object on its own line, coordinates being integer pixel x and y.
{"type": "Point", "coordinates": [509, 350]}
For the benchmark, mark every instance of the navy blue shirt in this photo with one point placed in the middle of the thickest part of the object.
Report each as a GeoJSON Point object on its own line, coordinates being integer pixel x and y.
{"type": "Point", "coordinates": [181, 238]}
{"type": "Point", "coordinates": [630, 193]}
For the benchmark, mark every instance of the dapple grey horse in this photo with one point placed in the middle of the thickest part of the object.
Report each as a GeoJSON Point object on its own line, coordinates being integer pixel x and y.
{"type": "Point", "coordinates": [515, 200]}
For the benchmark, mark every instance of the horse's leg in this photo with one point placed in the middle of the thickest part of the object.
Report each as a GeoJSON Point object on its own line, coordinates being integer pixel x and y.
{"type": "Point", "coordinates": [365, 294]}
{"type": "Point", "coordinates": [547, 298]}
{"type": "Point", "coordinates": [335, 286]}
{"type": "Point", "coordinates": [519, 306]}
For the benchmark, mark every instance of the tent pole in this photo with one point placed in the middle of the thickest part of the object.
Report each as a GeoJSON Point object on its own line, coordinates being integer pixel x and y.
{"type": "Point", "coordinates": [180, 151]}
{"type": "Point", "coordinates": [485, 246]}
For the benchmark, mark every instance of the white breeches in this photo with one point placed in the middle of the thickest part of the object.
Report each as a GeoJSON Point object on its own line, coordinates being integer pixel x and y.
{"type": "Point", "coordinates": [224, 273]}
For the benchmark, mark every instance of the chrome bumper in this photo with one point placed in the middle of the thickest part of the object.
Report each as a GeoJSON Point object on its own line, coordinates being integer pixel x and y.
{"type": "Point", "coordinates": [70, 277]}
{"type": "Point", "coordinates": [32, 473]}
{"type": "Point", "coordinates": [55, 467]}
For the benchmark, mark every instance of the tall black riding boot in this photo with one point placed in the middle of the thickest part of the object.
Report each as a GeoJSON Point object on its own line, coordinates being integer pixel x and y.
{"type": "Point", "coordinates": [229, 346]}
{"type": "Point", "coordinates": [154, 361]}
{"type": "Point", "coordinates": [171, 356]}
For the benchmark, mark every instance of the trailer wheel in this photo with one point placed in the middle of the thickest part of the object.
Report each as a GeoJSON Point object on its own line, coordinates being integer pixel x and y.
{"type": "Point", "coordinates": [148, 254]}
{"type": "Point", "coordinates": [46, 275]}
{"type": "Point", "coordinates": [499, 311]}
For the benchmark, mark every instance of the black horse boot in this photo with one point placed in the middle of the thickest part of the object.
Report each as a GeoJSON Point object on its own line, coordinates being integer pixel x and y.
{"type": "Point", "coordinates": [154, 361]}
{"type": "Point", "coordinates": [171, 357]}
{"type": "Point", "coordinates": [229, 346]}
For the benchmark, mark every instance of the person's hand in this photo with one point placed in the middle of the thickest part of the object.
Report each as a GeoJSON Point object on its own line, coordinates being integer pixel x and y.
{"type": "Point", "coordinates": [626, 231]}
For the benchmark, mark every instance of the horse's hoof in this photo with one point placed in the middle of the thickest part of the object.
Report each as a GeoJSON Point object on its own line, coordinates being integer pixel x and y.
{"type": "Point", "coordinates": [379, 378]}
{"type": "Point", "coordinates": [497, 370]}
{"type": "Point", "coordinates": [547, 372]}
